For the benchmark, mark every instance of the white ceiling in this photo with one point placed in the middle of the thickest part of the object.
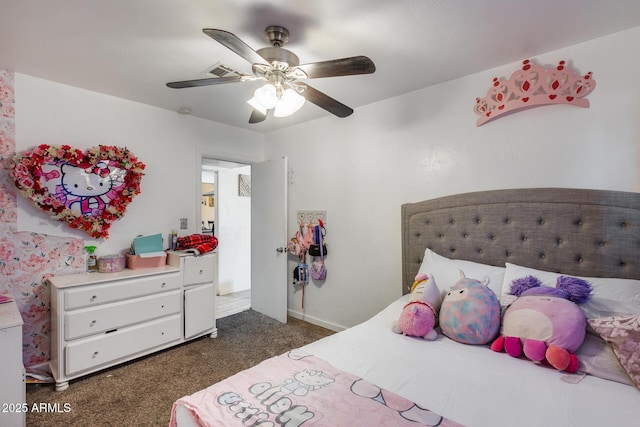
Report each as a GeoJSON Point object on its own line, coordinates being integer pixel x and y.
{"type": "Point", "coordinates": [131, 48]}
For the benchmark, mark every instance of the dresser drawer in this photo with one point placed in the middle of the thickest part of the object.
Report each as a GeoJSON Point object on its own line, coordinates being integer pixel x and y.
{"type": "Point", "coordinates": [126, 343]}
{"type": "Point", "coordinates": [95, 320]}
{"type": "Point", "coordinates": [199, 269]}
{"type": "Point", "coordinates": [91, 295]}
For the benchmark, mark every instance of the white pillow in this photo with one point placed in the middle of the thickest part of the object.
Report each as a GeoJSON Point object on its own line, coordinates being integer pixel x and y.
{"type": "Point", "coordinates": [446, 272]}
{"type": "Point", "coordinates": [610, 297]}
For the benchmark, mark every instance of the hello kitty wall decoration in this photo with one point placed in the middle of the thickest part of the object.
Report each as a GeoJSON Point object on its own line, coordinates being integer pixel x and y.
{"type": "Point", "coordinates": [531, 86]}
{"type": "Point", "coordinates": [89, 189]}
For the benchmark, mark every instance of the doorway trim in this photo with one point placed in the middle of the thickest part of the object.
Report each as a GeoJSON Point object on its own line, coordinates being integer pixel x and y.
{"type": "Point", "coordinates": [227, 281]}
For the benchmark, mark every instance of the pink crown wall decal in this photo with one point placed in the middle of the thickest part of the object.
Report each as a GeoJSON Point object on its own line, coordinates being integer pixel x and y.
{"type": "Point", "coordinates": [531, 86]}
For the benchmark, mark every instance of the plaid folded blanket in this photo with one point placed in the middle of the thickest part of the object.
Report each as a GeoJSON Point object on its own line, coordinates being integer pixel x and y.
{"type": "Point", "coordinates": [201, 243]}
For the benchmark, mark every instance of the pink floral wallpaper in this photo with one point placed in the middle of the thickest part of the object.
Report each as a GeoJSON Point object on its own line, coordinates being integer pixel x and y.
{"type": "Point", "coordinates": [28, 259]}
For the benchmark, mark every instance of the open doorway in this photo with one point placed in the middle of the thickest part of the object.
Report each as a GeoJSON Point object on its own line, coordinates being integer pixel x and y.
{"type": "Point", "coordinates": [226, 212]}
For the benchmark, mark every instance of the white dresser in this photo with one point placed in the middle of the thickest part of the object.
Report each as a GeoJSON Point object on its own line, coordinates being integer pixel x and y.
{"type": "Point", "coordinates": [99, 320]}
{"type": "Point", "coordinates": [12, 388]}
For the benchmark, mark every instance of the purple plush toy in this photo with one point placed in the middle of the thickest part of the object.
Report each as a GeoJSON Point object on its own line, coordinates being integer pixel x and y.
{"type": "Point", "coordinates": [544, 322]}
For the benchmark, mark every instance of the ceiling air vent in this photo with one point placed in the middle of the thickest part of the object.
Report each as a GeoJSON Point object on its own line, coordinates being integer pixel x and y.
{"type": "Point", "coordinates": [220, 70]}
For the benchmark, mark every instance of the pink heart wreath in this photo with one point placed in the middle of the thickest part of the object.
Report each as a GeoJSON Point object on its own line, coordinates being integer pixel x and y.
{"type": "Point", "coordinates": [88, 190]}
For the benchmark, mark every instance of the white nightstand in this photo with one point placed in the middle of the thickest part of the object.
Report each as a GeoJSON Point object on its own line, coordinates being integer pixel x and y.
{"type": "Point", "coordinates": [12, 387]}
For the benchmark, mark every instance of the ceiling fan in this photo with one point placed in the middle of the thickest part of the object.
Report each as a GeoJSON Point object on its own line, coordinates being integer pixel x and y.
{"type": "Point", "coordinates": [285, 90]}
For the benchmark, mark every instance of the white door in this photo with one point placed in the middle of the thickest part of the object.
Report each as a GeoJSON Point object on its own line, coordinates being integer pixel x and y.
{"type": "Point", "coordinates": [268, 238]}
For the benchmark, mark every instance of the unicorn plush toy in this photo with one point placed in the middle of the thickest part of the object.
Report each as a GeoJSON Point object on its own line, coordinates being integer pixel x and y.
{"type": "Point", "coordinates": [470, 312]}
{"type": "Point", "coordinates": [419, 316]}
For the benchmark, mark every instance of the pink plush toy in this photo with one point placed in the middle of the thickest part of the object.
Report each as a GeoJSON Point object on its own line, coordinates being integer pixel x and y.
{"type": "Point", "coordinates": [545, 323]}
{"type": "Point", "coordinates": [419, 316]}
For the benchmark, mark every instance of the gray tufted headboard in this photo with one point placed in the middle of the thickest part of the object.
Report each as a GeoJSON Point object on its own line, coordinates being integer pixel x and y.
{"type": "Point", "coordinates": [581, 232]}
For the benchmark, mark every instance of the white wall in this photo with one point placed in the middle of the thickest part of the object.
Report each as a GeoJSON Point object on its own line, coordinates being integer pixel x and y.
{"type": "Point", "coordinates": [233, 229]}
{"type": "Point", "coordinates": [425, 144]}
{"type": "Point", "coordinates": [169, 144]}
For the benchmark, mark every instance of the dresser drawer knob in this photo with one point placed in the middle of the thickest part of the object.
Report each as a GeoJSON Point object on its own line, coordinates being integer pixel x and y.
{"type": "Point", "coordinates": [93, 322]}
{"type": "Point", "coordinates": [95, 354]}
{"type": "Point", "coordinates": [201, 271]}
{"type": "Point", "coordinates": [93, 298]}
{"type": "Point", "coordinates": [163, 284]}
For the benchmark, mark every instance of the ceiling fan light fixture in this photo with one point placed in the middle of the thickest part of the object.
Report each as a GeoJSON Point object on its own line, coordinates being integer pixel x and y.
{"type": "Point", "coordinates": [283, 102]}
{"type": "Point", "coordinates": [266, 96]}
{"type": "Point", "coordinates": [289, 103]}
{"type": "Point", "coordinates": [256, 105]}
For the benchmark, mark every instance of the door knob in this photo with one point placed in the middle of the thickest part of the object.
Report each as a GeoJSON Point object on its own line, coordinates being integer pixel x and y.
{"type": "Point", "coordinates": [282, 250]}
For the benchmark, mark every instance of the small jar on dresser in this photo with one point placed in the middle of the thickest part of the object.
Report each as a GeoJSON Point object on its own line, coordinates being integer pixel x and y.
{"type": "Point", "coordinates": [12, 386]}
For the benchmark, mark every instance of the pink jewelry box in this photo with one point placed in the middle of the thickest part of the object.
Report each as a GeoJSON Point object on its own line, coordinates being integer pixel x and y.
{"type": "Point", "coordinates": [111, 263]}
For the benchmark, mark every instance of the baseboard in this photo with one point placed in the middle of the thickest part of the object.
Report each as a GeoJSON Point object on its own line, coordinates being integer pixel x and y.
{"type": "Point", "coordinates": [316, 321]}
{"type": "Point", "coordinates": [229, 290]}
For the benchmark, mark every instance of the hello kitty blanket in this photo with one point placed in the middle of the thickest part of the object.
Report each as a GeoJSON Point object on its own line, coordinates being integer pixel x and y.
{"type": "Point", "coordinates": [299, 389]}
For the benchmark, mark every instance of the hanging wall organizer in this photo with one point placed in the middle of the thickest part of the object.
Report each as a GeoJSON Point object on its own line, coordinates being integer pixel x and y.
{"type": "Point", "coordinates": [87, 190]}
{"type": "Point", "coordinates": [309, 239]}
{"type": "Point", "coordinates": [534, 85]}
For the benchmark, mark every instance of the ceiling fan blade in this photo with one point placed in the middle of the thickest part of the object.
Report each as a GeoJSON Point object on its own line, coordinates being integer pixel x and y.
{"type": "Point", "coordinates": [325, 101]}
{"type": "Point", "coordinates": [257, 116]}
{"type": "Point", "coordinates": [339, 67]}
{"type": "Point", "coordinates": [232, 41]}
{"type": "Point", "coordinates": [208, 81]}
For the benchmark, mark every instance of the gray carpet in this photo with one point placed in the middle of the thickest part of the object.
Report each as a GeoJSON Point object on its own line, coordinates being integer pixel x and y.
{"type": "Point", "coordinates": [141, 393]}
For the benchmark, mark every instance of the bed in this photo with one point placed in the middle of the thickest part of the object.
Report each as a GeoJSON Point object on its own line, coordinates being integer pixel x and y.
{"type": "Point", "coordinates": [400, 380]}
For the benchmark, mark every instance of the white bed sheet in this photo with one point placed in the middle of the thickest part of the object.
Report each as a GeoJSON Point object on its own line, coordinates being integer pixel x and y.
{"type": "Point", "coordinates": [472, 384]}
